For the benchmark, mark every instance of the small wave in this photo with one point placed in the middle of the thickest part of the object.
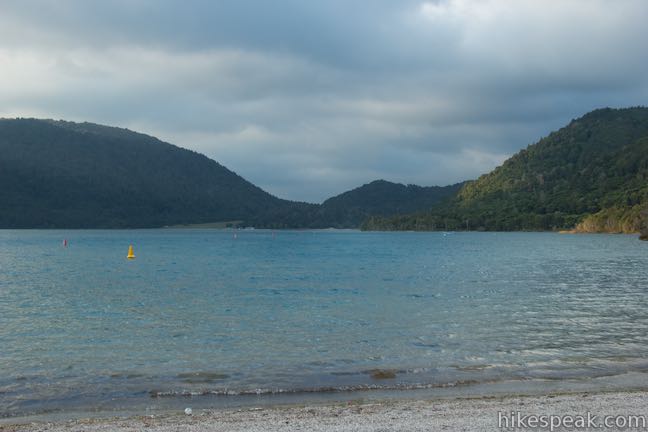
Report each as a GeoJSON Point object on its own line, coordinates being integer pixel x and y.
{"type": "Point", "coordinates": [473, 368]}
{"type": "Point", "coordinates": [426, 345]}
{"type": "Point", "coordinates": [327, 389]}
{"type": "Point", "coordinates": [372, 371]}
{"type": "Point", "coordinates": [201, 377]}
{"type": "Point", "coordinates": [118, 375]}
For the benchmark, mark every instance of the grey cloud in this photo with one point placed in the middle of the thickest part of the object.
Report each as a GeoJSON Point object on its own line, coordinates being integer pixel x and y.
{"type": "Point", "coordinates": [308, 99]}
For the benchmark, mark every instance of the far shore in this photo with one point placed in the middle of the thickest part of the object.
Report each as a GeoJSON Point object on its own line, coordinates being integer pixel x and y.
{"type": "Point", "coordinates": [459, 414]}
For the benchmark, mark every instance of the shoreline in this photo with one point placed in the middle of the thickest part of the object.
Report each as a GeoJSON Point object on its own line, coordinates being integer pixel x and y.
{"type": "Point", "coordinates": [458, 413]}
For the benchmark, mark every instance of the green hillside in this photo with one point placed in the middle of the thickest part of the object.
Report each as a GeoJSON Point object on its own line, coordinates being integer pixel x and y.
{"type": "Point", "coordinates": [379, 198]}
{"type": "Point", "coordinates": [57, 174]}
{"type": "Point", "coordinates": [591, 175]}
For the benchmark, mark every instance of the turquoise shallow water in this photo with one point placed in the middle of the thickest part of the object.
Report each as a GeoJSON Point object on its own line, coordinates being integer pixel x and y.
{"type": "Point", "coordinates": [213, 315]}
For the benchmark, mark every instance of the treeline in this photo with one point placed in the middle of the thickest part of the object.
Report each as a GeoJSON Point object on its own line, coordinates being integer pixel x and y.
{"type": "Point", "coordinates": [591, 175]}
{"type": "Point", "coordinates": [66, 175]}
{"type": "Point", "coordinates": [57, 174]}
{"type": "Point", "coordinates": [350, 209]}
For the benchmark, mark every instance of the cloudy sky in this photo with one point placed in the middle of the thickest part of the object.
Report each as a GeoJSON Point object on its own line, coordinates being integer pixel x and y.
{"type": "Point", "coordinates": [308, 98]}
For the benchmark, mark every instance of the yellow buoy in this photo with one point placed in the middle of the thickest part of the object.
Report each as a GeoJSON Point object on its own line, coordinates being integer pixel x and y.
{"type": "Point", "coordinates": [130, 255]}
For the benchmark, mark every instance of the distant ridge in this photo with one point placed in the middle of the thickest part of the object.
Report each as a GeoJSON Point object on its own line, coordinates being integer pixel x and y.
{"type": "Point", "coordinates": [590, 176]}
{"type": "Point", "coordinates": [60, 174]}
{"type": "Point", "coordinates": [382, 198]}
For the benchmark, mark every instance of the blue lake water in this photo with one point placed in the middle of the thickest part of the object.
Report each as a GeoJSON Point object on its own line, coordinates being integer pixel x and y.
{"type": "Point", "coordinates": [214, 315]}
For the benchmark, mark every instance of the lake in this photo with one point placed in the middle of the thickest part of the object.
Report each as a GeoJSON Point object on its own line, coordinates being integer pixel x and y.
{"type": "Point", "coordinates": [223, 317]}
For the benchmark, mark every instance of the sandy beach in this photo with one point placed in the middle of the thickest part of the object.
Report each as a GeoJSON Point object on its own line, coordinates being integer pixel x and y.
{"type": "Point", "coordinates": [464, 414]}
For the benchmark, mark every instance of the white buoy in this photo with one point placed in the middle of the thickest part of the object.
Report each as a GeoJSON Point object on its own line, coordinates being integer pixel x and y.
{"type": "Point", "coordinates": [188, 411]}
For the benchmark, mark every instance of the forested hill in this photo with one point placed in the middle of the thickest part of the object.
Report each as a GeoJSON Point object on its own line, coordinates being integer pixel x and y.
{"type": "Point", "coordinates": [380, 198]}
{"type": "Point", "coordinates": [57, 174]}
{"type": "Point", "coordinates": [591, 175]}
